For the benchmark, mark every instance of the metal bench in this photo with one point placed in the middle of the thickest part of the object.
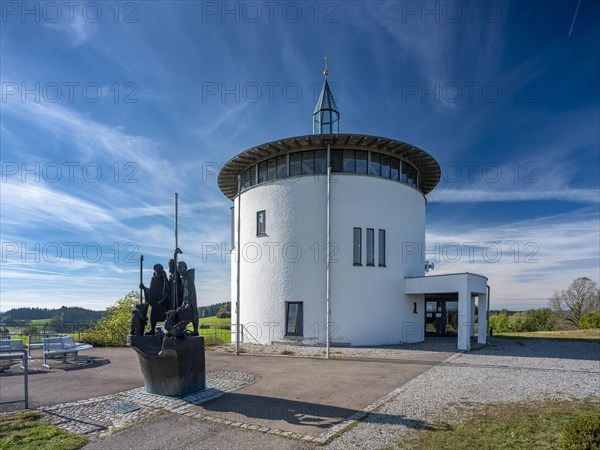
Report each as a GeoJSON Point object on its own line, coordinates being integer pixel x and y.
{"type": "Point", "coordinates": [63, 345]}
{"type": "Point", "coordinates": [36, 340]}
{"type": "Point", "coordinates": [13, 351]}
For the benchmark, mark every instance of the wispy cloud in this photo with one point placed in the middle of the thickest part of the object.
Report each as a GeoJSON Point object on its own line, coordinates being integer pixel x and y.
{"type": "Point", "coordinates": [525, 261]}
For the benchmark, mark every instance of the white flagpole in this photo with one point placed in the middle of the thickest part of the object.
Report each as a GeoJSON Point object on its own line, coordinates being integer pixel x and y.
{"type": "Point", "coordinates": [238, 256]}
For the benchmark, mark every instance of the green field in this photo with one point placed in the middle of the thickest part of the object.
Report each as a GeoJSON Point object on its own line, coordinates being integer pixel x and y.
{"type": "Point", "coordinates": [215, 334]}
{"type": "Point", "coordinates": [592, 334]}
{"type": "Point", "coordinates": [215, 319]}
{"type": "Point", "coordinates": [39, 321]}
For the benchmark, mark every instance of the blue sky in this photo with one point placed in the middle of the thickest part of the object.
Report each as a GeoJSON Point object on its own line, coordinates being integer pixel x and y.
{"type": "Point", "coordinates": [109, 108]}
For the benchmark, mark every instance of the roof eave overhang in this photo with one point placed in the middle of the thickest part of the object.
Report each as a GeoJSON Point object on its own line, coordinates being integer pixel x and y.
{"type": "Point", "coordinates": [427, 166]}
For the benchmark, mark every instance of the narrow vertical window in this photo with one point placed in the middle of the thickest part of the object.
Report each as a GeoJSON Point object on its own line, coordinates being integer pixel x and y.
{"type": "Point", "coordinates": [321, 161]}
{"type": "Point", "coordinates": [282, 167]}
{"type": "Point", "coordinates": [394, 174]}
{"type": "Point", "coordinates": [295, 164]}
{"type": "Point", "coordinates": [245, 180]}
{"type": "Point", "coordinates": [375, 168]}
{"type": "Point", "coordinates": [262, 172]}
{"type": "Point", "coordinates": [337, 161]}
{"type": "Point", "coordinates": [357, 247]}
{"type": "Point", "coordinates": [361, 161]}
{"type": "Point", "coordinates": [294, 319]}
{"type": "Point", "coordinates": [370, 247]}
{"type": "Point", "coordinates": [349, 161]}
{"type": "Point", "coordinates": [308, 162]}
{"type": "Point", "coordinates": [385, 166]}
{"type": "Point", "coordinates": [252, 176]}
{"type": "Point", "coordinates": [261, 223]}
{"type": "Point", "coordinates": [381, 252]}
{"type": "Point", "coordinates": [271, 169]}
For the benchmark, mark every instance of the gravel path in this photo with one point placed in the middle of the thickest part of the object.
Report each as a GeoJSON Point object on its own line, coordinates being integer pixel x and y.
{"type": "Point", "coordinates": [504, 371]}
{"type": "Point", "coordinates": [419, 348]}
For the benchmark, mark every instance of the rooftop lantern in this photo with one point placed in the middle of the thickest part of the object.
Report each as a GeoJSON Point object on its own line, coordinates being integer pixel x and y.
{"type": "Point", "coordinates": [326, 117]}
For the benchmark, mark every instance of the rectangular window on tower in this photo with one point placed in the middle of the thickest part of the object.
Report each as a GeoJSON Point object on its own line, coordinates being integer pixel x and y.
{"type": "Point", "coordinates": [370, 247]}
{"type": "Point", "coordinates": [337, 161]}
{"type": "Point", "coordinates": [381, 252]}
{"type": "Point", "coordinates": [293, 319]}
{"type": "Point", "coordinates": [295, 164]}
{"type": "Point", "coordinates": [357, 247]}
{"type": "Point", "coordinates": [261, 223]}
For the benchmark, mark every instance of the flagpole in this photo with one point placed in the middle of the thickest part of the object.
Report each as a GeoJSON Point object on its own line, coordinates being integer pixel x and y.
{"type": "Point", "coordinates": [238, 256]}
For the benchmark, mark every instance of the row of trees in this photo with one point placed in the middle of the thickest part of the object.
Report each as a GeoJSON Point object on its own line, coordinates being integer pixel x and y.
{"type": "Point", "coordinates": [578, 306]}
{"type": "Point", "coordinates": [67, 313]}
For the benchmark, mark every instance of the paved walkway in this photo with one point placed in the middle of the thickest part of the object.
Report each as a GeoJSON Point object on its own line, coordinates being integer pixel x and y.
{"type": "Point", "coordinates": [309, 399]}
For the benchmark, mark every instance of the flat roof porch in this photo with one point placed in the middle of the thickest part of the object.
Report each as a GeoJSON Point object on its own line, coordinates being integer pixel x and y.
{"type": "Point", "coordinates": [466, 286]}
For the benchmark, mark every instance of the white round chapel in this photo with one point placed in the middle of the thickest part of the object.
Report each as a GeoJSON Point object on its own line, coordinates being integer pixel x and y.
{"type": "Point", "coordinates": [325, 228]}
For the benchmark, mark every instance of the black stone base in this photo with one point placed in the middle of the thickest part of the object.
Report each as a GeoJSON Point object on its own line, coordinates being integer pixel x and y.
{"type": "Point", "coordinates": [171, 366]}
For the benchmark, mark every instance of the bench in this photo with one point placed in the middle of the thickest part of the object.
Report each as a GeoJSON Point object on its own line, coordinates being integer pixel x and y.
{"type": "Point", "coordinates": [63, 345]}
{"type": "Point", "coordinates": [36, 340]}
{"type": "Point", "coordinates": [13, 351]}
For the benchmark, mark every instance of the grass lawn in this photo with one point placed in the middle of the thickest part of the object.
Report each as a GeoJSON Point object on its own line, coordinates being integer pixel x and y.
{"type": "Point", "coordinates": [518, 426]}
{"type": "Point", "coordinates": [215, 319]}
{"type": "Point", "coordinates": [27, 431]}
{"type": "Point", "coordinates": [575, 335]}
{"type": "Point", "coordinates": [222, 335]}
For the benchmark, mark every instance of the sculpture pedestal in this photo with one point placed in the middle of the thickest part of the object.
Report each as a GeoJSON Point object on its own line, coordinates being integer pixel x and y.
{"type": "Point", "coordinates": [171, 366]}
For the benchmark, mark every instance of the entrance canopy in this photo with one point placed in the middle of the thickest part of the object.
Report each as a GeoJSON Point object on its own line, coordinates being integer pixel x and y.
{"type": "Point", "coordinates": [467, 286]}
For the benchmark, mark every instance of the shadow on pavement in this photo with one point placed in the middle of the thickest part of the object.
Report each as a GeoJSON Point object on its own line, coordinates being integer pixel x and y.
{"type": "Point", "coordinates": [292, 415]}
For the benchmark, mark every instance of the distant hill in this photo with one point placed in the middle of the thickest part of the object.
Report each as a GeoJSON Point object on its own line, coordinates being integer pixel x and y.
{"type": "Point", "coordinates": [68, 314]}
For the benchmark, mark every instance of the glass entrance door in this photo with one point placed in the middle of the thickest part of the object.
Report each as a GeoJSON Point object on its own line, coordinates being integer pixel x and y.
{"type": "Point", "coordinates": [441, 317]}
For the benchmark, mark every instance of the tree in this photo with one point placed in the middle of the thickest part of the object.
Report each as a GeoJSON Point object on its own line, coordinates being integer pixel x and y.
{"type": "Point", "coordinates": [56, 323]}
{"type": "Point", "coordinates": [112, 329]}
{"type": "Point", "coordinates": [580, 297]}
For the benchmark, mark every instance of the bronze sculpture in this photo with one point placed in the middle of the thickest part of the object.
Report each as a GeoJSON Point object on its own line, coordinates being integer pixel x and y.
{"type": "Point", "coordinates": [172, 362]}
{"type": "Point", "coordinates": [158, 296]}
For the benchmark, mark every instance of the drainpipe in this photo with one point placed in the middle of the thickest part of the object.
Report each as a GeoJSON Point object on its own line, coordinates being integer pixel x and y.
{"type": "Point", "coordinates": [328, 285]}
{"type": "Point", "coordinates": [487, 313]}
{"type": "Point", "coordinates": [239, 257]}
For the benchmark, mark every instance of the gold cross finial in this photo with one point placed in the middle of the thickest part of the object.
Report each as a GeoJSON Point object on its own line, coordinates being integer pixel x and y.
{"type": "Point", "coordinates": [325, 72]}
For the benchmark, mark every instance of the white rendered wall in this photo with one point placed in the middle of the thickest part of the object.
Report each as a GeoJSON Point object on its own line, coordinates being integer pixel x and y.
{"type": "Point", "coordinates": [368, 305]}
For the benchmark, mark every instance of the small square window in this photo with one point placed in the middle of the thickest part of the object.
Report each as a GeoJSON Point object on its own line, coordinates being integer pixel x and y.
{"type": "Point", "coordinates": [261, 223]}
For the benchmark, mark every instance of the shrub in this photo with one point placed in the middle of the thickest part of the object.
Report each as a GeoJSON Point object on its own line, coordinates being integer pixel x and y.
{"type": "Point", "coordinates": [539, 320]}
{"type": "Point", "coordinates": [590, 320]}
{"type": "Point", "coordinates": [29, 330]}
{"type": "Point", "coordinates": [582, 433]}
{"type": "Point", "coordinates": [223, 313]}
{"type": "Point", "coordinates": [112, 329]}
{"type": "Point", "coordinates": [500, 322]}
